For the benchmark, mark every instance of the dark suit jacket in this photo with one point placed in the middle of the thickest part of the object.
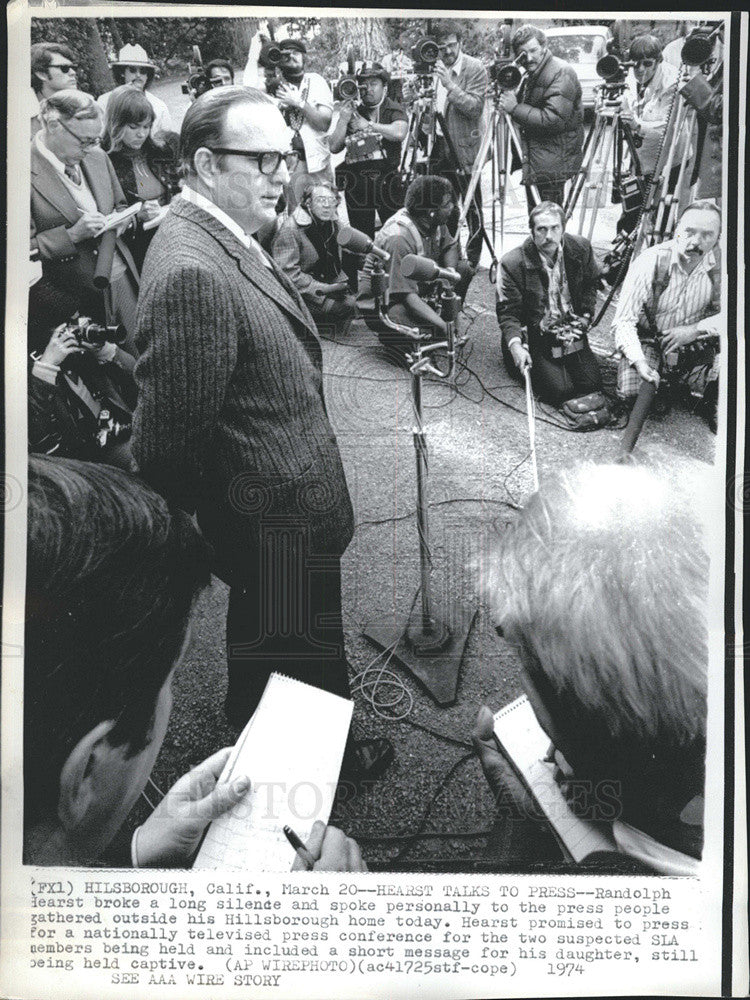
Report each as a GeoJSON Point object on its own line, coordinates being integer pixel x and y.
{"type": "Point", "coordinates": [525, 286]}
{"type": "Point", "coordinates": [550, 118]}
{"type": "Point", "coordinates": [465, 110]}
{"type": "Point", "coordinates": [71, 266]}
{"type": "Point", "coordinates": [231, 419]}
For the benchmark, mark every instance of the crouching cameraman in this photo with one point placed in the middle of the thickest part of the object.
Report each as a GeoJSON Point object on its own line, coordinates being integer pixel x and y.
{"type": "Point", "coordinates": [420, 228]}
{"type": "Point", "coordinates": [82, 394]}
{"type": "Point", "coordinates": [548, 287]}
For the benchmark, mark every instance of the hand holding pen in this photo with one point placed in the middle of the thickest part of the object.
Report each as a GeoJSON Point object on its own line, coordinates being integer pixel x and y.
{"type": "Point", "coordinates": [328, 849]}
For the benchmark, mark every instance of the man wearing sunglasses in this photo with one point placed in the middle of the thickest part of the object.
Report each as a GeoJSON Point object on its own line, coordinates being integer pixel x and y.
{"type": "Point", "coordinates": [73, 188]}
{"type": "Point", "coordinates": [53, 68]}
{"type": "Point", "coordinates": [231, 421]}
{"type": "Point", "coordinates": [651, 85]}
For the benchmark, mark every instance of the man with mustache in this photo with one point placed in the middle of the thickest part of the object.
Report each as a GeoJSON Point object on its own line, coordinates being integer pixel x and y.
{"type": "Point", "coordinates": [549, 278]}
{"type": "Point", "coordinates": [668, 315]}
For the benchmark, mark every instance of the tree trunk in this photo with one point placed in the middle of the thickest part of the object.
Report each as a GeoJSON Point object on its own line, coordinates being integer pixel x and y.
{"type": "Point", "coordinates": [100, 73]}
{"type": "Point", "coordinates": [367, 35]}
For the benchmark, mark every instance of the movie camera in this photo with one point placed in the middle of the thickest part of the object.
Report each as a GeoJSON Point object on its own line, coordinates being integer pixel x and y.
{"type": "Point", "coordinates": [197, 82]}
{"type": "Point", "coordinates": [699, 45]}
{"type": "Point", "coordinates": [347, 86]}
{"type": "Point", "coordinates": [613, 70]}
{"type": "Point", "coordinates": [506, 73]}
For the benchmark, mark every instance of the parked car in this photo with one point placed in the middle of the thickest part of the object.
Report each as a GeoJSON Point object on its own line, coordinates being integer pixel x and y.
{"type": "Point", "coordinates": [581, 45]}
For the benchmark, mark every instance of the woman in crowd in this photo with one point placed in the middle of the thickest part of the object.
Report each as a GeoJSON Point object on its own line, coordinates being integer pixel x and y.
{"type": "Point", "coordinates": [147, 171]}
{"type": "Point", "coordinates": [306, 249]}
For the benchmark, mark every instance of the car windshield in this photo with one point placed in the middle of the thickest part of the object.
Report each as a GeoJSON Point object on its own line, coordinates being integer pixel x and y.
{"type": "Point", "coordinates": [578, 48]}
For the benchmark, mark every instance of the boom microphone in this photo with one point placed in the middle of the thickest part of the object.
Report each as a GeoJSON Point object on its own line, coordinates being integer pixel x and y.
{"type": "Point", "coordinates": [356, 241]}
{"type": "Point", "coordinates": [424, 269]}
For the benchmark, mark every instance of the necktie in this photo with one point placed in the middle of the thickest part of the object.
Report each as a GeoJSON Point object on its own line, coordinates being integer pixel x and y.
{"type": "Point", "coordinates": [73, 173]}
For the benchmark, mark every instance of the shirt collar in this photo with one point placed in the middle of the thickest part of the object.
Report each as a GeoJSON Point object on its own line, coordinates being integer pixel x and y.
{"type": "Point", "coordinates": [48, 154]}
{"type": "Point", "coordinates": [457, 66]}
{"type": "Point", "coordinates": [196, 198]}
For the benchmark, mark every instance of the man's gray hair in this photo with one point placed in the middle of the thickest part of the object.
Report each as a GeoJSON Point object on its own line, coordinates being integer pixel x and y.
{"type": "Point", "coordinates": [69, 104]}
{"type": "Point", "coordinates": [602, 581]}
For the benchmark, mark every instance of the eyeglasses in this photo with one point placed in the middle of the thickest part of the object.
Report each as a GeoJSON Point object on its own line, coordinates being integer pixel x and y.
{"type": "Point", "coordinates": [646, 63]}
{"type": "Point", "coordinates": [63, 67]}
{"type": "Point", "coordinates": [84, 143]}
{"type": "Point", "coordinates": [268, 161]}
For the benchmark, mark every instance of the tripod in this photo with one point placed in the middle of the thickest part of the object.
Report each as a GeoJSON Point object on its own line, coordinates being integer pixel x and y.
{"type": "Point", "coordinates": [612, 137]}
{"type": "Point", "coordinates": [499, 140]}
{"type": "Point", "coordinates": [420, 135]}
{"type": "Point", "coordinates": [432, 643]}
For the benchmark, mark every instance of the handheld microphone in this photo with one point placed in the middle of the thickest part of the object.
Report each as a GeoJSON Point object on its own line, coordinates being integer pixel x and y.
{"type": "Point", "coordinates": [358, 242]}
{"type": "Point", "coordinates": [424, 269]}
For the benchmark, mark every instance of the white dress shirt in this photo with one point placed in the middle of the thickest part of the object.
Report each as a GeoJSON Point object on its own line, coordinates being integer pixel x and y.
{"type": "Point", "coordinates": [196, 198]}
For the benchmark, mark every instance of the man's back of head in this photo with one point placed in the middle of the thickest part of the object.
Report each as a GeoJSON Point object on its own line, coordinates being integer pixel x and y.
{"type": "Point", "coordinates": [601, 583]}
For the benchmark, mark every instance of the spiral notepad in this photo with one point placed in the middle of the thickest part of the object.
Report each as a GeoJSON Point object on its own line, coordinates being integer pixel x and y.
{"type": "Point", "coordinates": [525, 744]}
{"type": "Point", "coordinates": [291, 749]}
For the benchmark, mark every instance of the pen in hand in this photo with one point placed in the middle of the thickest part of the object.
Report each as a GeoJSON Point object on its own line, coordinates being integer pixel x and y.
{"type": "Point", "coordinates": [299, 847]}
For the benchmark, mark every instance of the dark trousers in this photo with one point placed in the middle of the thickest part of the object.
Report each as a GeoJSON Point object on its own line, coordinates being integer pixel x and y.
{"type": "Point", "coordinates": [366, 189]}
{"type": "Point", "coordinates": [442, 165]}
{"type": "Point", "coordinates": [548, 191]}
{"type": "Point", "coordinates": [555, 380]}
{"type": "Point", "coordinates": [287, 617]}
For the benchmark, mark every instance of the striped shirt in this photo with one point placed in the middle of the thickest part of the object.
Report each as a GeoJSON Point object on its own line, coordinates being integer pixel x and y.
{"type": "Point", "coordinates": [685, 301]}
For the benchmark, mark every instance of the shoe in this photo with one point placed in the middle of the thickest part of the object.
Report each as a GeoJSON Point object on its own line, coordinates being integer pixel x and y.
{"type": "Point", "coordinates": [366, 760]}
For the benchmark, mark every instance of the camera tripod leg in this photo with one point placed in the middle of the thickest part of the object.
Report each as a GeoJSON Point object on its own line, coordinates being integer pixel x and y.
{"type": "Point", "coordinates": [578, 182]}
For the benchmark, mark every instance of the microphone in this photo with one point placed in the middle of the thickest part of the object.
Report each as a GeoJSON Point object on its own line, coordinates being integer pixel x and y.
{"type": "Point", "coordinates": [424, 269]}
{"type": "Point", "coordinates": [358, 242]}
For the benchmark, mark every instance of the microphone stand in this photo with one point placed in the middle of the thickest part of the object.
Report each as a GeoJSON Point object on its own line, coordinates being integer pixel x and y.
{"type": "Point", "coordinates": [431, 644]}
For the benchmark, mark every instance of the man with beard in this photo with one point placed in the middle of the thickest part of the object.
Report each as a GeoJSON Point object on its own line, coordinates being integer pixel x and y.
{"type": "Point", "coordinates": [306, 102]}
{"type": "Point", "coordinates": [460, 98]}
{"type": "Point", "coordinates": [549, 115]}
{"type": "Point", "coordinates": [372, 133]}
{"type": "Point", "coordinates": [668, 315]}
{"type": "Point", "coordinates": [551, 278]}
{"type": "Point", "coordinates": [133, 67]}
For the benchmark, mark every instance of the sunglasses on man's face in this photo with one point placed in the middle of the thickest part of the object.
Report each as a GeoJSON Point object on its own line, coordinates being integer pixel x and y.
{"type": "Point", "coordinates": [64, 67]}
{"type": "Point", "coordinates": [645, 63]}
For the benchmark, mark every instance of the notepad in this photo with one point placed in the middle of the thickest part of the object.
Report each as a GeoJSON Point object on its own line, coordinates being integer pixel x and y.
{"type": "Point", "coordinates": [291, 749]}
{"type": "Point", "coordinates": [113, 220]}
{"type": "Point", "coordinates": [526, 744]}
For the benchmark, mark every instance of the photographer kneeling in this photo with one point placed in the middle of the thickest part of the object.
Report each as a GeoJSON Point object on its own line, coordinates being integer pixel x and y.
{"type": "Point", "coordinates": [306, 250]}
{"type": "Point", "coordinates": [112, 576]}
{"type": "Point", "coordinates": [81, 387]}
{"type": "Point", "coordinates": [418, 228]}
{"type": "Point", "coordinates": [548, 286]}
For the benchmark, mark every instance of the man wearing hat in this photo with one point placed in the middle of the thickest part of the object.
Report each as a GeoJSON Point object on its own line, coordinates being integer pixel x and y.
{"type": "Point", "coordinates": [306, 102]}
{"type": "Point", "coordinates": [372, 133]}
{"type": "Point", "coordinates": [134, 67]}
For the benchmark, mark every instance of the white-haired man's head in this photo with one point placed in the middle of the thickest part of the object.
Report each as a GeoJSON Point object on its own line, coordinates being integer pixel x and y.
{"type": "Point", "coordinates": [601, 583]}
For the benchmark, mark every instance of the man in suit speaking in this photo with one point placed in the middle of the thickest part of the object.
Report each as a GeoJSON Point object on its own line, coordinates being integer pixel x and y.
{"type": "Point", "coordinates": [231, 420]}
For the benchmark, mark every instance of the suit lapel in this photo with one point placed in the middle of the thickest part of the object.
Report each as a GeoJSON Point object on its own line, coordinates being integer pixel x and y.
{"type": "Point", "coordinates": [48, 183]}
{"type": "Point", "coordinates": [102, 192]}
{"type": "Point", "coordinates": [270, 281]}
